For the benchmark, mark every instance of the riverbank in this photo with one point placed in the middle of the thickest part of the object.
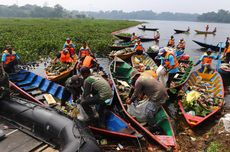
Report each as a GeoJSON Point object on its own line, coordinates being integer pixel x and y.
{"type": "Point", "coordinates": [37, 38]}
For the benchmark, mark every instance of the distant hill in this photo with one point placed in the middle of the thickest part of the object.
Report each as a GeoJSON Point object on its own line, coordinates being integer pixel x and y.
{"type": "Point", "coordinates": [220, 16]}
{"type": "Point", "coordinates": [142, 15]}
{"type": "Point", "coordinates": [34, 11]}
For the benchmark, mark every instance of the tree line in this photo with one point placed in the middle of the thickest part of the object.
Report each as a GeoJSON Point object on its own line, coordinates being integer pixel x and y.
{"type": "Point", "coordinates": [34, 11]}
{"type": "Point", "coordinates": [220, 16]}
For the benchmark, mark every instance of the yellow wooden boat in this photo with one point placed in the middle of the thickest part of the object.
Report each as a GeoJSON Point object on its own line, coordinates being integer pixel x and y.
{"type": "Point", "coordinates": [58, 76]}
{"type": "Point", "coordinates": [144, 60]}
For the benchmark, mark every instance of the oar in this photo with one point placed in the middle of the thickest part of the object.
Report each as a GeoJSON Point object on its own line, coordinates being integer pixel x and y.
{"type": "Point", "coordinates": [219, 54]}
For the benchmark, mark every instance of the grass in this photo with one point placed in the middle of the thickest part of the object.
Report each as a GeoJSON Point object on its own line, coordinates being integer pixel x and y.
{"type": "Point", "coordinates": [37, 38]}
{"type": "Point", "coordinates": [214, 147]}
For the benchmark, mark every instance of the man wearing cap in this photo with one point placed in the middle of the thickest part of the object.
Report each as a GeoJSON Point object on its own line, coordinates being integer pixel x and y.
{"type": "Point", "coordinates": [153, 89]}
{"type": "Point", "coordinates": [97, 91]}
{"type": "Point", "coordinates": [72, 87]}
{"type": "Point", "coordinates": [206, 60]}
{"type": "Point", "coordinates": [170, 63]}
{"type": "Point", "coordinates": [68, 42]}
{"type": "Point", "coordinates": [171, 42]}
{"type": "Point", "coordinates": [64, 56]}
{"type": "Point", "coordinates": [9, 59]}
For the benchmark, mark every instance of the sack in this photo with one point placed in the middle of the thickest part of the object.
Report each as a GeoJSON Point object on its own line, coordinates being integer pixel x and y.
{"type": "Point", "coordinates": [162, 76]}
{"type": "Point", "coordinates": [81, 113]}
{"type": "Point", "coordinates": [139, 110]}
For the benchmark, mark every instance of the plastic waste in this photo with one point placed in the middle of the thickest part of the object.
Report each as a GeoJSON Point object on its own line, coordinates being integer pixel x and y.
{"type": "Point", "coordinates": [226, 122]}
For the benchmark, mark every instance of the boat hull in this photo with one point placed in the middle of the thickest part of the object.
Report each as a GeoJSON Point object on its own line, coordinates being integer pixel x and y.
{"type": "Point", "coordinates": [217, 90]}
{"type": "Point", "coordinates": [128, 38]}
{"type": "Point", "coordinates": [148, 29]}
{"type": "Point", "coordinates": [212, 47]}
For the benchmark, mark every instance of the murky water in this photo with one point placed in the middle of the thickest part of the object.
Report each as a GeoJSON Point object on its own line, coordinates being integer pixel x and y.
{"type": "Point", "coordinates": [166, 29]}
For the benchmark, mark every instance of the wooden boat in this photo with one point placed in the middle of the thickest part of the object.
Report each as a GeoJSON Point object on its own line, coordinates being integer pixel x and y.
{"type": "Point", "coordinates": [212, 84]}
{"type": "Point", "coordinates": [145, 60]}
{"type": "Point", "coordinates": [121, 70]}
{"type": "Point", "coordinates": [212, 47]}
{"type": "Point", "coordinates": [36, 88]}
{"type": "Point", "coordinates": [124, 54]}
{"type": "Point", "coordinates": [205, 32]}
{"type": "Point", "coordinates": [121, 45]}
{"type": "Point", "coordinates": [148, 29]}
{"type": "Point", "coordinates": [38, 127]}
{"type": "Point", "coordinates": [57, 77]}
{"type": "Point", "coordinates": [185, 69]}
{"type": "Point", "coordinates": [128, 38]}
{"type": "Point", "coordinates": [224, 71]}
{"type": "Point", "coordinates": [181, 31]}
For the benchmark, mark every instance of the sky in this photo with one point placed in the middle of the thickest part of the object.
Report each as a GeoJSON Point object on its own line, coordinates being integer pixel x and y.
{"type": "Point", "coordinates": [185, 6]}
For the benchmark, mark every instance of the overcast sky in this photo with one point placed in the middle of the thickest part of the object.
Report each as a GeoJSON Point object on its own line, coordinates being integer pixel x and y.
{"type": "Point", "coordinates": [186, 6]}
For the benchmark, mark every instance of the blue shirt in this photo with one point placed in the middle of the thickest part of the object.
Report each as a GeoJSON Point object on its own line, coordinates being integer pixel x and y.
{"type": "Point", "coordinates": [72, 45]}
{"type": "Point", "coordinates": [171, 62]}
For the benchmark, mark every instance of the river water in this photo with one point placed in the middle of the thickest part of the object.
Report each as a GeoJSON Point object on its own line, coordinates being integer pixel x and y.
{"type": "Point", "coordinates": [166, 29]}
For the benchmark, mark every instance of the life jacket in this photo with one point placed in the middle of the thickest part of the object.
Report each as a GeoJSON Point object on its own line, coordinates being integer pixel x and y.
{"type": "Point", "coordinates": [171, 42]}
{"type": "Point", "coordinates": [149, 73]}
{"type": "Point", "coordinates": [84, 52]}
{"type": "Point", "coordinates": [167, 63]}
{"type": "Point", "coordinates": [88, 61]}
{"type": "Point", "coordinates": [139, 47]}
{"type": "Point", "coordinates": [9, 57]}
{"type": "Point", "coordinates": [181, 45]}
{"type": "Point", "coordinates": [227, 50]}
{"type": "Point", "coordinates": [65, 57]}
{"type": "Point", "coordinates": [207, 59]}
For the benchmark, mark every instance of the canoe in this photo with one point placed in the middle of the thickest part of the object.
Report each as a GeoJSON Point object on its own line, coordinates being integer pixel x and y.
{"type": "Point", "coordinates": [148, 29]}
{"type": "Point", "coordinates": [43, 124]}
{"type": "Point", "coordinates": [204, 32]}
{"type": "Point", "coordinates": [122, 45]}
{"type": "Point", "coordinates": [145, 60]}
{"type": "Point", "coordinates": [128, 38]}
{"type": "Point", "coordinates": [181, 31]}
{"type": "Point", "coordinates": [213, 47]}
{"type": "Point", "coordinates": [120, 70]}
{"type": "Point", "coordinates": [57, 77]}
{"type": "Point", "coordinates": [35, 88]}
{"type": "Point", "coordinates": [185, 69]}
{"type": "Point", "coordinates": [210, 84]}
{"type": "Point", "coordinates": [124, 54]}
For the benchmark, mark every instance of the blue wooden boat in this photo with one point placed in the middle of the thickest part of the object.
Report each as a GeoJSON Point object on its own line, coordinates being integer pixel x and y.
{"type": "Point", "coordinates": [33, 87]}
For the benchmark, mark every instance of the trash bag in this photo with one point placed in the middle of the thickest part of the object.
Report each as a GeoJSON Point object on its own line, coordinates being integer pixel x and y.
{"type": "Point", "coordinates": [162, 76]}
{"type": "Point", "coordinates": [81, 113]}
{"type": "Point", "coordinates": [139, 111]}
{"type": "Point", "coordinates": [226, 122]}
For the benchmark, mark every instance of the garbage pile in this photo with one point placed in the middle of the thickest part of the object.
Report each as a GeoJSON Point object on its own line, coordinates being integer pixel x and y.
{"type": "Point", "coordinates": [57, 68]}
{"type": "Point", "coordinates": [121, 52]}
